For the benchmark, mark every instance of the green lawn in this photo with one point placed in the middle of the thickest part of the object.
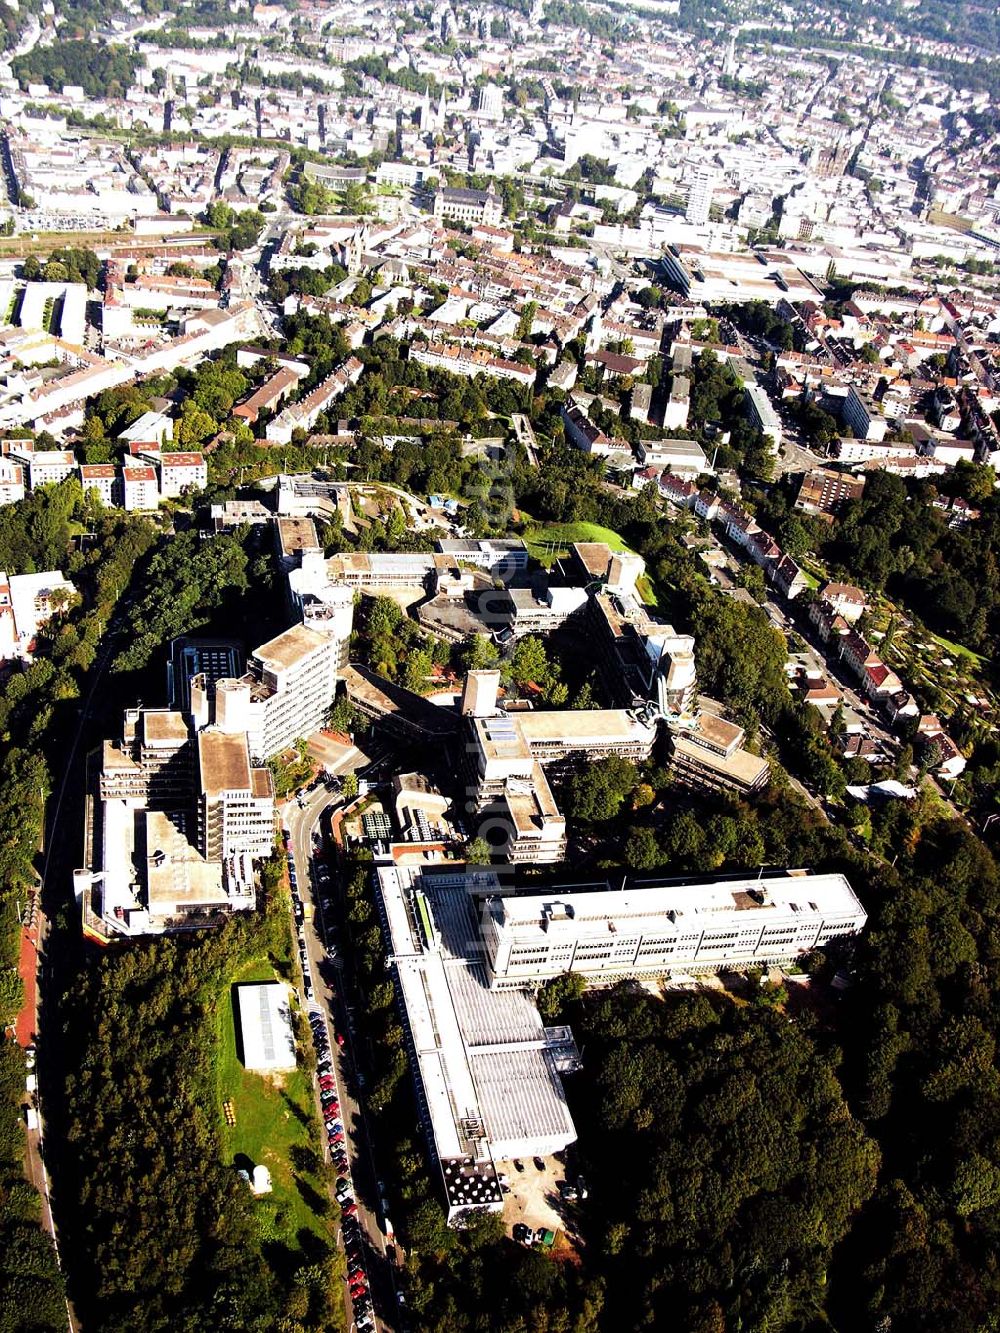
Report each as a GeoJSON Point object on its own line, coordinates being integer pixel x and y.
{"type": "Point", "coordinates": [958, 649]}
{"type": "Point", "coordinates": [545, 544]}
{"type": "Point", "coordinates": [276, 1126]}
{"type": "Point", "coordinates": [647, 593]}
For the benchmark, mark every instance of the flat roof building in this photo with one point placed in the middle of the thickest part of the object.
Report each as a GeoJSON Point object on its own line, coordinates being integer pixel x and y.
{"type": "Point", "coordinates": [652, 927]}
{"type": "Point", "coordinates": [265, 1025]}
{"type": "Point", "coordinates": [487, 1070]}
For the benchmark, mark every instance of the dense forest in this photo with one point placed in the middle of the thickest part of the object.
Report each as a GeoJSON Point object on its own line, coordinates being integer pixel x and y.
{"type": "Point", "coordinates": [894, 539]}
{"type": "Point", "coordinates": [101, 71]}
{"type": "Point", "coordinates": [161, 1233]}
{"type": "Point", "coordinates": [31, 1289]}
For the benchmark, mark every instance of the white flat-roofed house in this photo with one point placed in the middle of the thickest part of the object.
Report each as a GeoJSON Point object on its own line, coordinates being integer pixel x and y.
{"type": "Point", "coordinates": [34, 599]}
{"type": "Point", "coordinates": [140, 488]}
{"type": "Point", "coordinates": [101, 478]}
{"type": "Point", "coordinates": [150, 428]}
{"type": "Point", "coordinates": [180, 472]}
{"type": "Point", "coordinates": [11, 481]}
{"type": "Point", "coordinates": [265, 1026]}
{"type": "Point", "coordinates": [650, 928]}
{"type": "Point", "coordinates": [50, 466]}
{"type": "Point", "coordinates": [683, 457]}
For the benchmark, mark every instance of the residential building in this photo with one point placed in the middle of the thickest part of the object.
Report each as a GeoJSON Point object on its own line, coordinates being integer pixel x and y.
{"type": "Point", "coordinates": [581, 432]}
{"type": "Point", "coordinates": [182, 472]}
{"type": "Point", "coordinates": [863, 416]}
{"type": "Point", "coordinates": [845, 600]}
{"type": "Point", "coordinates": [302, 415]}
{"type": "Point", "coordinates": [678, 404]}
{"type": "Point", "coordinates": [824, 492]}
{"type": "Point", "coordinates": [140, 488]}
{"type": "Point", "coordinates": [11, 481]}
{"type": "Point", "coordinates": [470, 361]}
{"type": "Point", "coordinates": [50, 466]}
{"type": "Point", "coordinates": [762, 415]}
{"type": "Point", "coordinates": [102, 478]}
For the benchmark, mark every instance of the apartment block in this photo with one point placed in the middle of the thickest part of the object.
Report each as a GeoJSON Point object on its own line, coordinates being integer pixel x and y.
{"type": "Point", "coordinates": [180, 472]}
{"type": "Point", "coordinates": [863, 416]}
{"type": "Point", "coordinates": [140, 488]}
{"type": "Point", "coordinates": [102, 479]}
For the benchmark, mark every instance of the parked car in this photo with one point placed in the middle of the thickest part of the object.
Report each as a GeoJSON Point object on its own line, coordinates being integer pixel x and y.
{"type": "Point", "coordinates": [522, 1233]}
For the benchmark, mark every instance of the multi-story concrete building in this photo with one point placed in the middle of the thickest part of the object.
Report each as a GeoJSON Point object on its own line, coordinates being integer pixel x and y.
{"type": "Point", "coordinates": [762, 415]}
{"type": "Point", "coordinates": [643, 657]}
{"type": "Point", "coordinates": [652, 927]}
{"type": "Point", "coordinates": [48, 466]}
{"type": "Point", "coordinates": [236, 800]}
{"type": "Point", "coordinates": [699, 200]}
{"type": "Point", "coordinates": [180, 472]}
{"type": "Point", "coordinates": [487, 1072]}
{"type": "Point", "coordinates": [11, 481]}
{"type": "Point", "coordinates": [863, 416]}
{"type": "Point", "coordinates": [153, 763]}
{"type": "Point", "coordinates": [707, 753]}
{"type": "Point", "coordinates": [140, 489]}
{"type": "Point", "coordinates": [678, 404]}
{"type": "Point", "coordinates": [294, 681]}
{"type": "Point", "coordinates": [144, 870]}
{"type": "Point", "coordinates": [102, 478]}
{"type": "Point", "coordinates": [491, 102]}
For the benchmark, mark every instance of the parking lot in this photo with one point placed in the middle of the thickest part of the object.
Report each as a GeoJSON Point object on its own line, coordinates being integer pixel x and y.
{"type": "Point", "coordinates": [534, 1199]}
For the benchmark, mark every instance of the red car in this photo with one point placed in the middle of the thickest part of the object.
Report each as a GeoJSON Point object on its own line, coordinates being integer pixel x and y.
{"type": "Point", "coordinates": [340, 1038]}
{"type": "Point", "coordinates": [351, 1209]}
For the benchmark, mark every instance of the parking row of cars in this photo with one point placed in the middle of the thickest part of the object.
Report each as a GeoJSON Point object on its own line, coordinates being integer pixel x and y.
{"type": "Point", "coordinates": [336, 1138]}
{"type": "Point", "coordinates": [333, 1127]}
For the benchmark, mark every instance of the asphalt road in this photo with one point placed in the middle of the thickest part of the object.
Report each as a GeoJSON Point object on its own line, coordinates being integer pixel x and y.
{"type": "Point", "coordinates": [319, 876]}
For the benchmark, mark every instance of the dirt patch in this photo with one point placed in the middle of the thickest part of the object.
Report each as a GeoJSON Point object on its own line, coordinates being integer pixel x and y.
{"type": "Point", "coordinates": [535, 1201]}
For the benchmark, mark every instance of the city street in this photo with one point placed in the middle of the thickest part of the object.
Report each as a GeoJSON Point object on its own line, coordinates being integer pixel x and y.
{"type": "Point", "coordinates": [317, 877]}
